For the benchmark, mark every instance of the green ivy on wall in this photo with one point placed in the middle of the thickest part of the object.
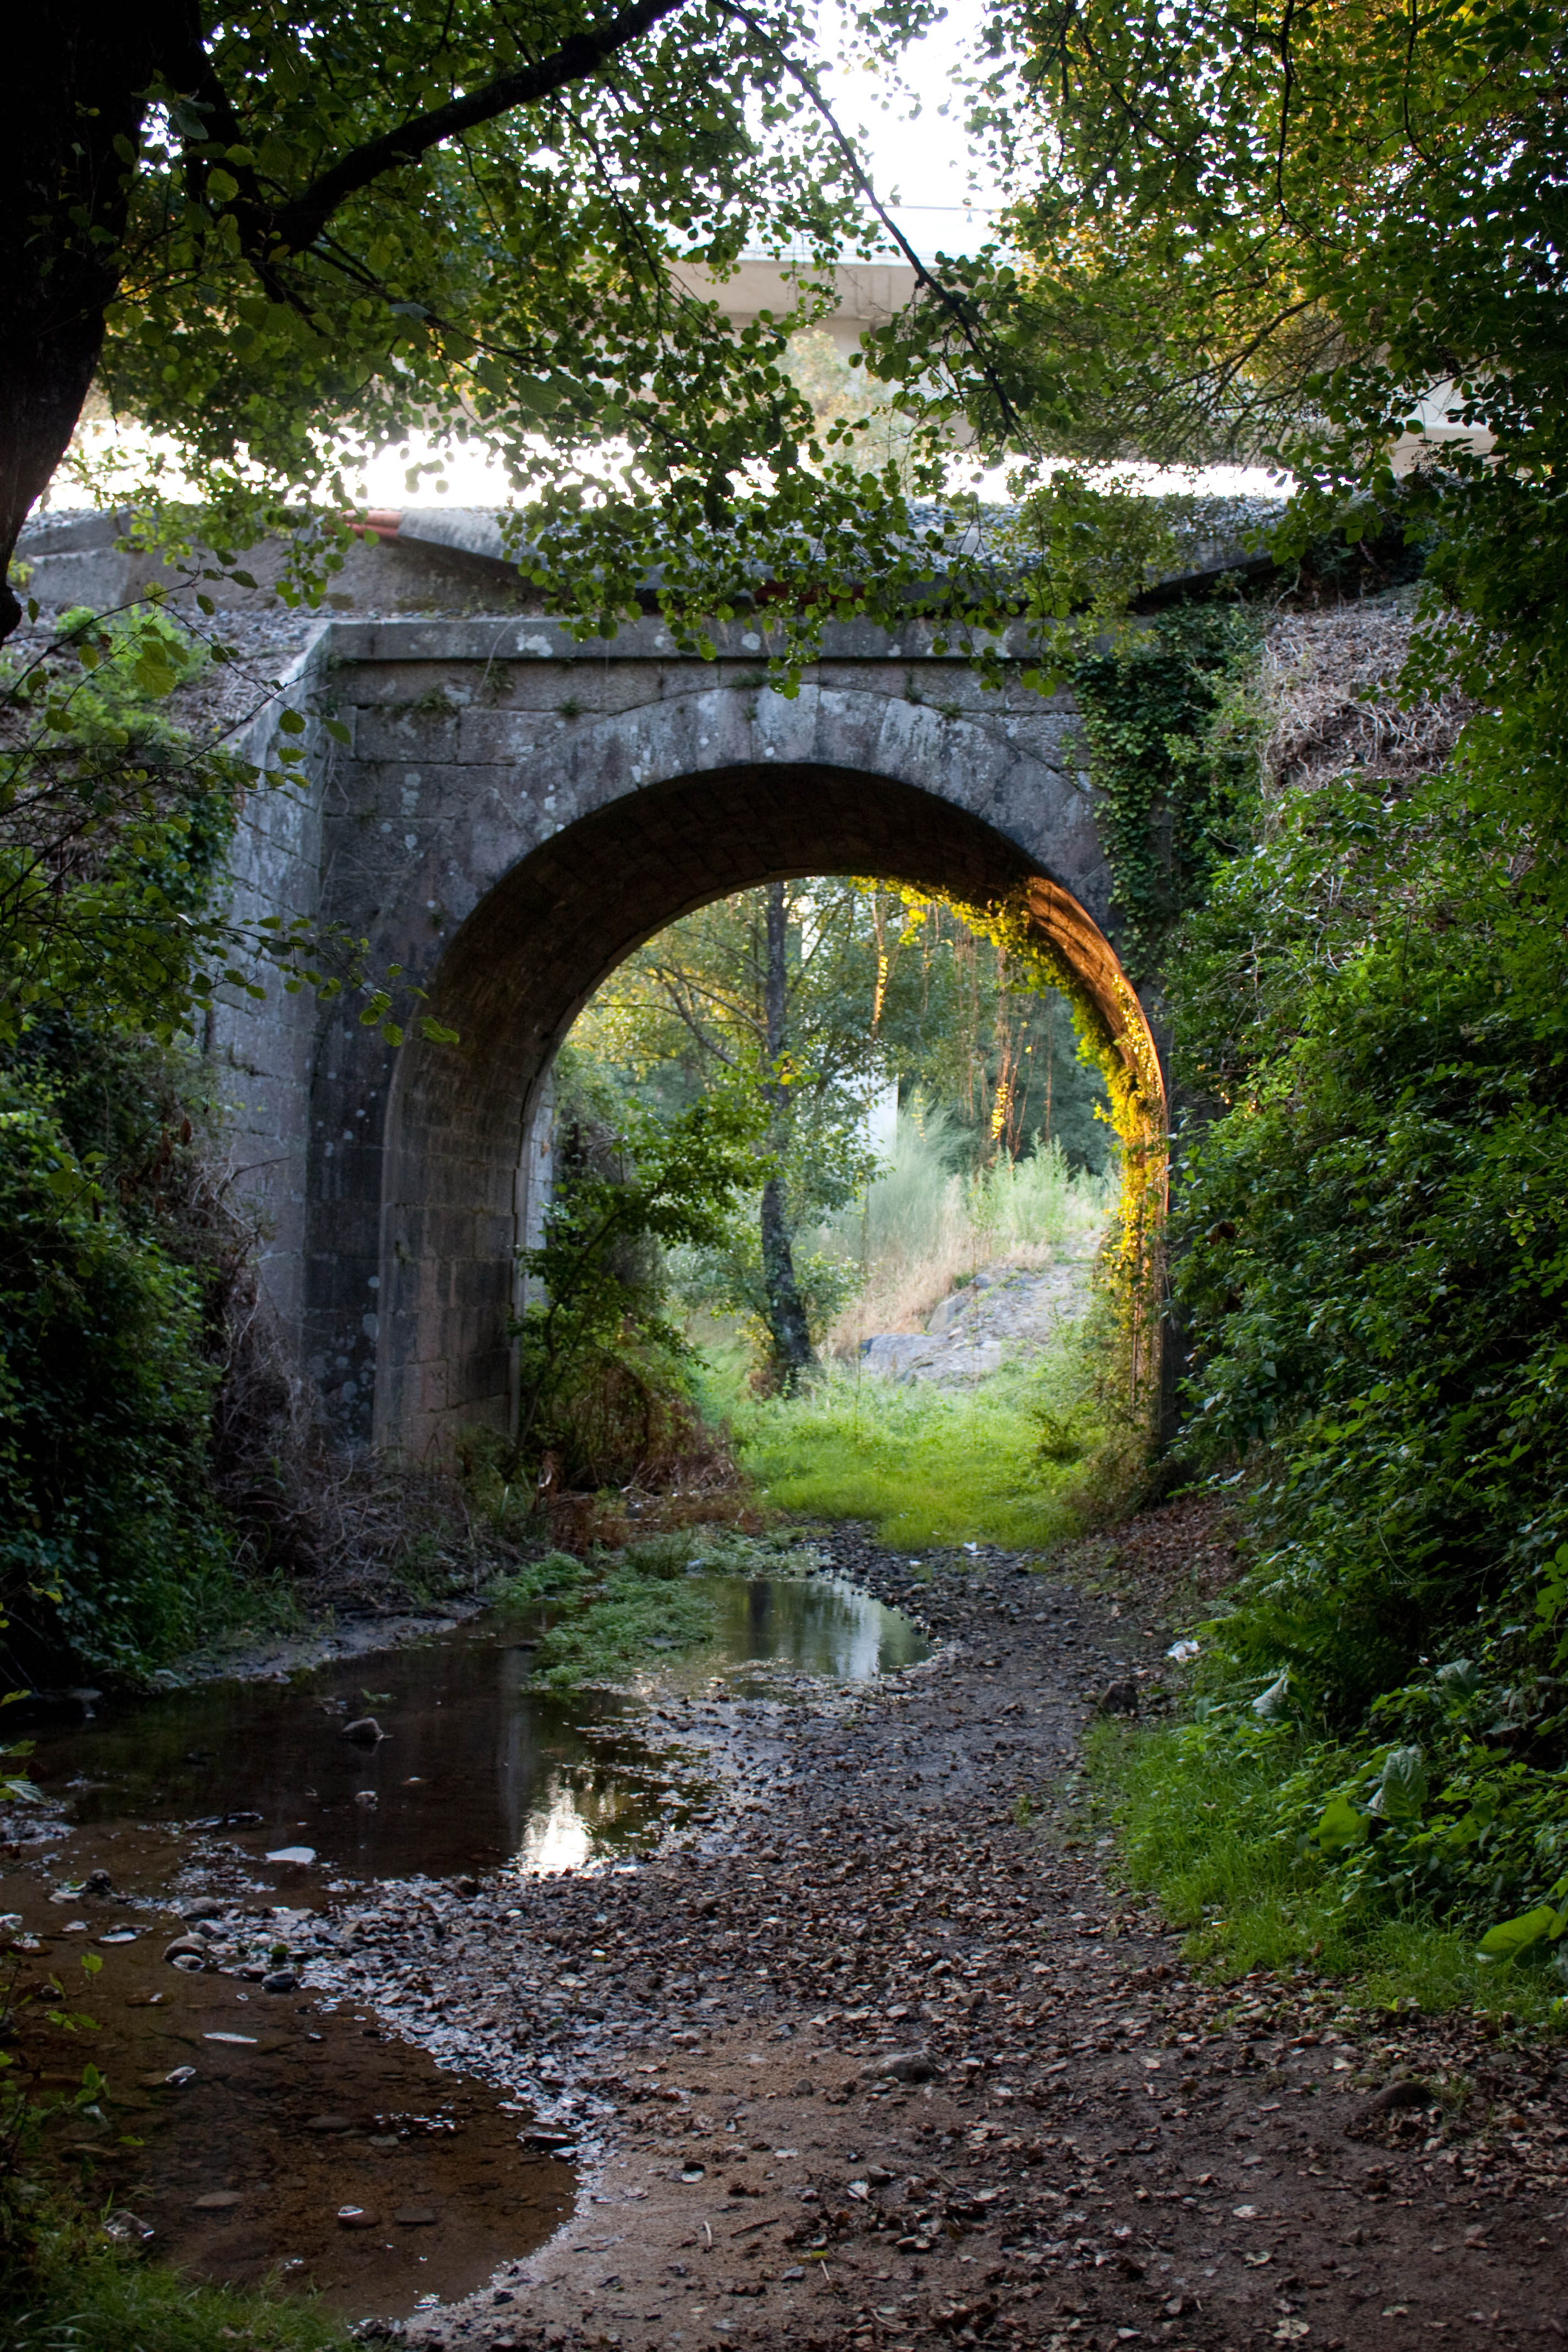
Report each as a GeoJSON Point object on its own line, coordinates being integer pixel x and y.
{"type": "Point", "coordinates": [1171, 723]}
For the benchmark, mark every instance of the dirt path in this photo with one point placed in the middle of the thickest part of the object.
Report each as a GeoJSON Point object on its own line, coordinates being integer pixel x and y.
{"type": "Point", "coordinates": [886, 2071]}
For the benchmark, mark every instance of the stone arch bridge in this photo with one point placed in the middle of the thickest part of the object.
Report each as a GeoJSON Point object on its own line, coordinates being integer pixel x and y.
{"type": "Point", "coordinates": [515, 811]}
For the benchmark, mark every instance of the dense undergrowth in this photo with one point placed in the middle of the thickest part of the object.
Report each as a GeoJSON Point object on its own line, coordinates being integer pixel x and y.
{"type": "Point", "coordinates": [1371, 1022]}
{"type": "Point", "coordinates": [1213, 1827]}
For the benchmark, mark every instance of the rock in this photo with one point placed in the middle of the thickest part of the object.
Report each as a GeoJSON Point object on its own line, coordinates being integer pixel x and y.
{"type": "Point", "coordinates": [194, 1911]}
{"type": "Point", "coordinates": [1120, 1697]}
{"type": "Point", "coordinates": [804, 2090]}
{"type": "Point", "coordinates": [356, 2217]}
{"type": "Point", "coordinates": [186, 1951]}
{"type": "Point", "coordinates": [299, 1854]}
{"type": "Point", "coordinates": [1395, 2095]}
{"type": "Point", "coordinates": [281, 1980]}
{"type": "Point", "coordinates": [415, 2217]}
{"type": "Point", "coordinates": [179, 2076]}
{"type": "Point", "coordinates": [219, 2200]}
{"type": "Point", "coordinates": [98, 1882]}
{"type": "Point", "coordinates": [901, 2067]}
{"type": "Point", "coordinates": [367, 1799]}
{"type": "Point", "coordinates": [330, 2123]}
{"type": "Point", "coordinates": [364, 1731]}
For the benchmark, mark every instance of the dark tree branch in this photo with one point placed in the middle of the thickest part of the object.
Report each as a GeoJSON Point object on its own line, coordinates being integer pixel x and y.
{"type": "Point", "coordinates": [297, 224]}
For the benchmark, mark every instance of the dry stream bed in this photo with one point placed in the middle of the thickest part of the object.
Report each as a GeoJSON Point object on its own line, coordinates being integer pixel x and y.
{"type": "Point", "coordinates": [744, 2010]}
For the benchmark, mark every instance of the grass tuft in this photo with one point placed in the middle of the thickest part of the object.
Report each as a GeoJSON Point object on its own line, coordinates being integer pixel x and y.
{"type": "Point", "coordinates": [80, 2294]}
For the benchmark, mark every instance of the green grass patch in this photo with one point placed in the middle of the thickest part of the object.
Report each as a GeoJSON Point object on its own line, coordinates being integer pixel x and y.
{"type": "Point", "coordinates": [550, 1578]}
{"type": "Point", "coordinates": [630, 1618]}
{"type": "Point", "coordinates": [924, 1466]}
{"type": "Point", "coordinates": [1198, 1826]}
{"type": "Point", "coordinates": [75, 2292]}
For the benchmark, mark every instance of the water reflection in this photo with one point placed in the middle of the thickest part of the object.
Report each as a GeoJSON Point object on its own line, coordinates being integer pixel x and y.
{"type": "Point", "coordinates": [476, 1769]}
{"type": "Point", "coordinates": [819, 1624]}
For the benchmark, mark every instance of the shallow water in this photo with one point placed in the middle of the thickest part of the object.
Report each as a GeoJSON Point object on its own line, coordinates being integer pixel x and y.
{"type": "Point", "coordinates": [237, 2123]}
{"type": "Point", "coordinates": [476, 1772]}
{"type": "Point", "coordinates": [818, 1624]}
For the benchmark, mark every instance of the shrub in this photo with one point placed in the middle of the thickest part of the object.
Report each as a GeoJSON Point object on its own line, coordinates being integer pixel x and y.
{"type": "Point", "coordinates": [110, 1543]}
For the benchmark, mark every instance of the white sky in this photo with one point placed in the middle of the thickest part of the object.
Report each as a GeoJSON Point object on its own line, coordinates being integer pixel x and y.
{"type": "Point", "coordinates": [922, 157]}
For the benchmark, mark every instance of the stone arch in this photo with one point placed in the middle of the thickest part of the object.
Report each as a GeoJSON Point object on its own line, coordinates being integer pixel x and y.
{"type": "Point", "coordinates": [641, 850]}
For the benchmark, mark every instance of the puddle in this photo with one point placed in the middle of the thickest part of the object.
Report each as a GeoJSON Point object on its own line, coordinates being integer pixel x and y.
{"type": "Point", "coordinates": [297, 2110]}
{"type": "Point", "coordinates": [476, 1772]}
{"type": "Point", "coordinates": [818, 1624]}
{"type": "Point", "coordinates": [287, 2115]}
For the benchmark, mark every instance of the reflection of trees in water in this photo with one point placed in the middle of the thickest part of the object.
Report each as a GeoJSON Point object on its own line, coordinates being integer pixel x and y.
{"type": "Point", "coordinates": [568, 1821]}
{"type": "Point", "coordinates": [825, 1627]}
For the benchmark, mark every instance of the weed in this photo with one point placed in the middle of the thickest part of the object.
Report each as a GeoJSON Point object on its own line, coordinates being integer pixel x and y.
{"type": "Point", "coordinates": [1199, 1827]}
{"type": "Point", "coordinates": [664, 1557]}
{"type": "Point", "coordinates": [629, 1615]}
{"type": "Point", "coordinates": [552, 1578]}
{"type": "Point", "coordinates": [81, 2294]}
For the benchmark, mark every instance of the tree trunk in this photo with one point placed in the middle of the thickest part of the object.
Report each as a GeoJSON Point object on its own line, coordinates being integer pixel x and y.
{"type": "Point", "coordinates": [78, 72]}
{"type": "Point", "coordinates": [788, 1327]}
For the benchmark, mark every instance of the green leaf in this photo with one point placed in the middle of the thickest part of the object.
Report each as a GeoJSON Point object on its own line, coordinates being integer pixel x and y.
{"type": "Point", "coordinates": [1401, 1791]}
{"type": "Point", "coordinates": [1343, 1824]}
{"type": "Point", "coordinates": [1531, 1932]}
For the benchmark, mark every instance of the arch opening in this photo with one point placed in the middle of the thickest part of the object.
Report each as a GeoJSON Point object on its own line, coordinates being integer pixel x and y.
{"type": "Point", "coordinates": [546, 935]}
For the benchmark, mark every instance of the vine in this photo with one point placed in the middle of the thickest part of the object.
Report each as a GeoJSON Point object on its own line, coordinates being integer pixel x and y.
{"type": "Point", "coordinates": [1167, 718]}
{"type": "Point", "coordinates": [1132, 1259]}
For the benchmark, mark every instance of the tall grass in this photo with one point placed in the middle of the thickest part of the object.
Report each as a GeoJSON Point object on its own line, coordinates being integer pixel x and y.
{"type": "Point", "coordinates": [928, 1465]}
{"type": "Point", "coordinates": [929, 1222]}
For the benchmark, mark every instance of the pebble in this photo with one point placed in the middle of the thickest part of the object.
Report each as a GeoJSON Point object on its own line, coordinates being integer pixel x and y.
{"type": "Point", "coordinates": [356, 2217]}
{"type": "Point", "coordinates": [219, 2200]}
{"type": "Point", "coordinates": [281, 1980]}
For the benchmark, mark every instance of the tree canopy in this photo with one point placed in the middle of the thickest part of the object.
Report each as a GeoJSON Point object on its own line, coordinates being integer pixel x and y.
{"type": "Point", "coordinates": [270, 232]}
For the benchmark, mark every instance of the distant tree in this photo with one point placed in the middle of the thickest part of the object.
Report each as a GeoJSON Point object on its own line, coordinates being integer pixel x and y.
{"type": "Point", "coordinates": [770, 996]}
{"type": "Point", "coordinates": [807, 998]}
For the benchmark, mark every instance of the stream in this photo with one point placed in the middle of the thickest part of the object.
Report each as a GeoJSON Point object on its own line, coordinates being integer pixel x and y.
{"type": "Point", "coordinates": [201, 1844]}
